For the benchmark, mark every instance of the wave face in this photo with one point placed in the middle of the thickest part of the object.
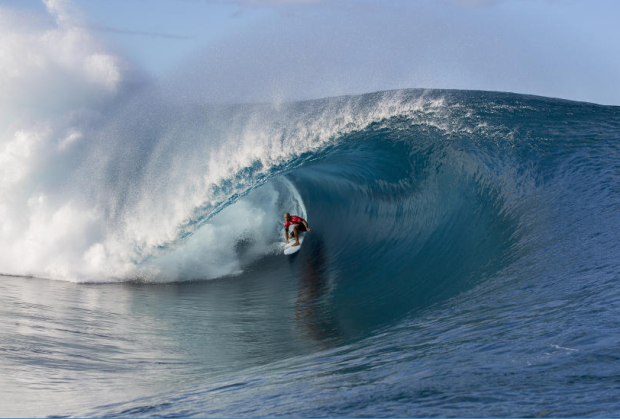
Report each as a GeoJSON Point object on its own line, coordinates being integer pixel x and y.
{"type": "Point", "coordinates": [147, 189]}
{"type": "Point", "coordinates": [402, 180]}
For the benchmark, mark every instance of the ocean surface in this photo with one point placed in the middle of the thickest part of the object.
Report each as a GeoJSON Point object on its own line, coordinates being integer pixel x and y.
{"type": "Point", "coordinates": [464, 260]}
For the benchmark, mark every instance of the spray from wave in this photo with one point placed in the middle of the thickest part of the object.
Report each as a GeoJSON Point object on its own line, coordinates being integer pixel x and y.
{"type": "Point", "coordinates": [103, 175]}
{"type": "Point", "coordinates": [56, 81]}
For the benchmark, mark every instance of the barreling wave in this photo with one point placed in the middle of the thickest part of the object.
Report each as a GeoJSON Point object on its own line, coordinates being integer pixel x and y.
{"type": "Point", "coordinates": [409, 181]}
{"type": "Point", "coordinates": [457, 241]}
{"type": "Point", "coordinates": [462, 242]}
{"type": "Point", "coordinates": [137, 181]}
{"type": "Point", "coordinates": [402, 178]}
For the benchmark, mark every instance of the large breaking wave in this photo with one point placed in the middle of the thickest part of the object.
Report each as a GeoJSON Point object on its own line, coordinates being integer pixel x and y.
{"type": "Point", "coordinates": [106, 179]}
{"type": "Point", "coordinates": [463, 256]}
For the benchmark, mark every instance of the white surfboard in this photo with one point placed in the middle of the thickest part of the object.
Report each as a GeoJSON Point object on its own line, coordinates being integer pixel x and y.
{"type": "Point", "coordinates": [289, 250]}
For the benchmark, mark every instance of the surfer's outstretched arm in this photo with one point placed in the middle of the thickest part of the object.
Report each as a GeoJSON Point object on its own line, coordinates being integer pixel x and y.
{"type": "Point", "coordinates": [306, 225]}
{"type": "Point", "coordinates": [286, 235]}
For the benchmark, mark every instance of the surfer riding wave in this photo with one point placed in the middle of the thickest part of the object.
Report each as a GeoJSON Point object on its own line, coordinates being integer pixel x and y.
{"type": "Point", "coordinates": [299, 225]}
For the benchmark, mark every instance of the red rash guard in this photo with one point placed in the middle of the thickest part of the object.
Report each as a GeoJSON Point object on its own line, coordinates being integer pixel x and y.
{"type": "Point", "coordinates": [293, 220]}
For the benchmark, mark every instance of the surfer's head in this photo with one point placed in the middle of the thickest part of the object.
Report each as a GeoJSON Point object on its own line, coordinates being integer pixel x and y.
{"type": "Point", "coordinates": [287, 216]}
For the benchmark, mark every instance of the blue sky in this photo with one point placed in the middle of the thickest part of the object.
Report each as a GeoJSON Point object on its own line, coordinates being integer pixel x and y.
{"type": "Point", "coordinates": [286, 49]}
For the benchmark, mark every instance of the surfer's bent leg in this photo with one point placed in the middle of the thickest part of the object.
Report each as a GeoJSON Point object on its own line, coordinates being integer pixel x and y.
{"type": "Point", "coordinates": [296, 233]}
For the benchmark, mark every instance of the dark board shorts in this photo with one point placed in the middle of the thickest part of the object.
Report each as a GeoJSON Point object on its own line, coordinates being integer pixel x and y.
{"type": "Point", "coordinates": [300, 227]}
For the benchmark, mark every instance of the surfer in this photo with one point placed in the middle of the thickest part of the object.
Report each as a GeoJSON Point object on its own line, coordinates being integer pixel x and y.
{"type": "Point", "coordinates": [299, 225]}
